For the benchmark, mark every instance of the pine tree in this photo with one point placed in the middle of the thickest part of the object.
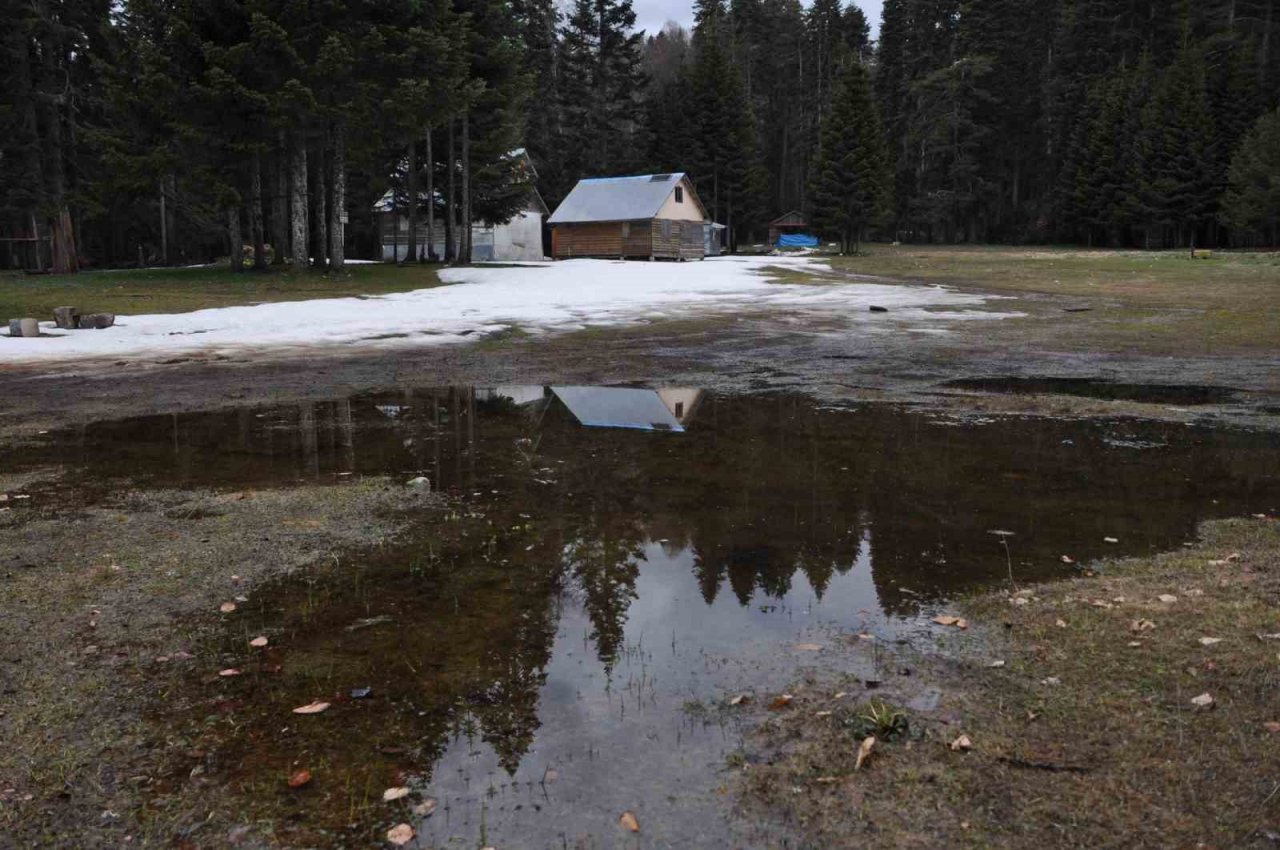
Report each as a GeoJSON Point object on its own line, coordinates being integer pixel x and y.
{"type": "Point", "coordinates": [725, 152]}
{"type": "Point", "coordinates": [850, 184]}
{"type": "Point", "coordinates": [602, 90]}
{"type": "Point", "coordinates": [1178, 187]}
{"type": "Point", "coordinates": [1252, 200]}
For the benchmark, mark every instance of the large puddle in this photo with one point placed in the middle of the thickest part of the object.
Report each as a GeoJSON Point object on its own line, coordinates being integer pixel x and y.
{"type": "Point", "coordinates": [558, 645]}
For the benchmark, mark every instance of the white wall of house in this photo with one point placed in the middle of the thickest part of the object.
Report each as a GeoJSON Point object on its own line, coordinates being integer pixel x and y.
{"type": "Point", "coordinates": [518, 240]}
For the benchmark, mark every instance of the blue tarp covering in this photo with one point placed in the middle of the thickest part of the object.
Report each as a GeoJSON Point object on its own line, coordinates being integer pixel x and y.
{"type": "Point", "coordinates": [797, 240]}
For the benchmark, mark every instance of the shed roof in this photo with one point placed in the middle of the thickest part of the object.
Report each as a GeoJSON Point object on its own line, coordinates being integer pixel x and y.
{"type": "Point", "coordinates": [616, 198]}
{"type": "Point", "coordinates": [793, 218]}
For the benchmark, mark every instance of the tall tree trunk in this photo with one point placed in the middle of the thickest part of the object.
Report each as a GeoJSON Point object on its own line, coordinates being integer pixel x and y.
{"type": "Point", "coordinates": [175, 252]}
{"type": "Point", "coordinates": [431, 200]}
{"type": "Point", "coordinates": [467, 227]}
{"type": "Point", "coordinates": [280, 203]}
{"type": "Point", "coordinates": [450, 247]}
{"type": "Point", "coordinates": [164, 227]}
{"type": "Point", "coordinates": [338, 201]}
{"type": "Point", "coordinates": [62, 241]}
{"type": "Point", "coordinates": [235, 239]}
{"type": "Point", "coordinates": [255, 212]}
{"type": "Point", "coordinates": [299, 202]}
{"type": "Point", "coordinates": [411, 252]}
{"type": "Point", "coordinates": [318, 216]}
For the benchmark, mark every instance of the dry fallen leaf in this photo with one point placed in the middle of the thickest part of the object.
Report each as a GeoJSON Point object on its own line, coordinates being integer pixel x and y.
{"type": "Point", "coordinates": [400, 834]}
{"type": "Point", "coordinates": [227, 607]}
{"type": "Point", "coordinates": [1067, 559]}
{"type": "Point", "coordinates": [628, 821]}
{"type": "Point", "coordinates": [780, 701]}
{"type": "Point", "coordinates": [1060, 623]}
{"type": "Point", "coordinates": [740, 699]}
{"type": "Point", "coordinates": [1141, 626]}
{"type": "Point", "coordinates": [808, 647]}
{"type": "Point", "coordinates": [1272, 726]}
{"type": "Point", "coordinates": [1202, 701]}
{"type": "Point", "coordinates": [841, 695]}
{"type": "Point", "coordinates": [1134, 644]}
{"type": "Point", "coordinates": [426, 808]}
{"type": "Point", "coordinates": [258, 642]}
{"type": "Point", "coordinates": [311, 708]}
{"type": "Point", "coordinates": [864, 751]}
{"type": "Point", "coordinates": [962, 743]}
{"type": "Point", "coordinates": [299, 778]}
{"type": "Point", "coordinates": [822, 714]}
{"type": "Point", "coordinates": [229, 672]}
{"type": "Point", "coordinates": [946, 620]}
{"type": "Point", "coordinates": [1167, 598]}
{"type": "Point", "coordinates": [1209, 641]}
{"type": "Point", "coordinates": [997, 663]}
{"type": "Point", "coordinates": [392, 794]}
{"type": "Point", "coordinates": [1110, 540]}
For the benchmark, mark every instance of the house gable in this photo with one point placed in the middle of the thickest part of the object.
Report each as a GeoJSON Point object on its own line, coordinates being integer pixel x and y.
{"type": "Point", "coordinates": [688, 208]}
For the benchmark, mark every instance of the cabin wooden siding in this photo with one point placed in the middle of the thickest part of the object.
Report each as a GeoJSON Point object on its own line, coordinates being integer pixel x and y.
{"type": "Point", "coordinates": [655, 238]}
{"type": "Point", "coordinates": [682, 241]}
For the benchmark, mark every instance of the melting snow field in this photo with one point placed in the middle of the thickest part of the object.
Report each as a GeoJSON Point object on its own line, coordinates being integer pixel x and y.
{"type": "Point", "coordinates": [544, 298]}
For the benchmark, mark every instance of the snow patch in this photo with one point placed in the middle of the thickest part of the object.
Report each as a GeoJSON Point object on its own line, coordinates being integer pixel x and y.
{"type": "Point", "coordinates": [538, 298]}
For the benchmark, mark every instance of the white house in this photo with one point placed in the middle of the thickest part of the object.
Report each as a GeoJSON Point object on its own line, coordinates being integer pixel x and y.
{"type": "Point", "coordinates": [514, 240]}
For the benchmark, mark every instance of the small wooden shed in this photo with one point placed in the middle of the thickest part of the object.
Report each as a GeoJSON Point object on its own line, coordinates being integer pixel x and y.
{"type": "Point", "coordinates": [649, 216]}
{"type": "Point", "coordinates": [788, 223]}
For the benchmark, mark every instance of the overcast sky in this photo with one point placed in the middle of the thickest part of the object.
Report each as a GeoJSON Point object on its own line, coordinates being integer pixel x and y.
{"type": "Point", "coordinates": [652, 14]}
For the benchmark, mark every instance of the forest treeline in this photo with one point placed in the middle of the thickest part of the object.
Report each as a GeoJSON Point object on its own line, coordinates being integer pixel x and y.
{"type": "Point", "coordinates": [168, 131]}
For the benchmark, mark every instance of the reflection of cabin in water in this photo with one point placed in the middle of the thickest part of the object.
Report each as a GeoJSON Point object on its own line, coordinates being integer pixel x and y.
{"type": "Point", "coordinates": [667, 409]}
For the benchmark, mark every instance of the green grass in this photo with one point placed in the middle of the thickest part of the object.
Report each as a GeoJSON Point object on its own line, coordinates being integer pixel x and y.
{"type": "Point", "coordinates": [182, 290]}
{"type": "Point", "coordinates": [1141, 301]}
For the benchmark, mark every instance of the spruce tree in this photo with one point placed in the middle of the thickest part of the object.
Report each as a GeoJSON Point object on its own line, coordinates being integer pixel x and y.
{"type": "Point", "coordinates": [1252, 200]}
{"type": "Point", "coordinates": [850, 183]}
{"type": "Point", "coordinates": [1178, 188]}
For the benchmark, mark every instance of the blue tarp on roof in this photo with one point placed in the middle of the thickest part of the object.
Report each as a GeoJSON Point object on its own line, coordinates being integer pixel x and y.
{"type": "Point", "coordinates": [797, 240]}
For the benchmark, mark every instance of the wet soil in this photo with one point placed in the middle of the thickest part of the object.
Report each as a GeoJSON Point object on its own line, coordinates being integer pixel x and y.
{"type": "Point", "coordinates": [558, 635]}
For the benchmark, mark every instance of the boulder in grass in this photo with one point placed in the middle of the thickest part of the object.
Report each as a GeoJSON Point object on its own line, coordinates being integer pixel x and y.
{"type": "Point", "coordinates": [15, 327]}
{"type": "Point", "coordinates": [29, 327]}
{"type": "Point", "coordinates": [97, 321]}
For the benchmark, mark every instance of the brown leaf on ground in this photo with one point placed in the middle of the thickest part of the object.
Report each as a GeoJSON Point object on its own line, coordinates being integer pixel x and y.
{"type": "Point", "coordinates": [946, 620]}
{"type": "Point", "coordinates": [258, 642]}
{"type": "Point", "coordinates": [961, 743]}
{"type": "Point", "coordinates": [1141, 626]}
{"type": "Point", "coordinates": [740, 699]}
{"type": "Point", "coordinates": [628, 821]}
{"type": "Point", "coordinates": [1209, 641]}
{"type": "Point", "coordinates": [1203, 701]}
{"type": "Point", "coordinates": [227, 607]}
{"type": "Point", "coordinates": [229, 672]}
{"type": "Point", "coordinates": [400, 834]}
{"type": "Point", "coordinates": [1060, 623]}
{"type": "Point", "coordinates": [864, 751]}
{"type": "Point", "coordinates": [392, 794]}
{"type": "Point", "coordinates": [311, 708]}
{"type": "Point", "coordinates": [1272, 726]}
{"type": "Point", "coordinates": [780, 701]}
{"type": "Point", "coordinates": [299, 778]}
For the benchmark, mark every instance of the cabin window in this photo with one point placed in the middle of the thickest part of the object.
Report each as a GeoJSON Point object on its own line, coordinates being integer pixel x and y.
{"type": "Point", "coordinates": [679, 194]}
{"type": "Point", "coordinates": [626, 230]}
{"type": "Point", "coordinates": [679, 410]}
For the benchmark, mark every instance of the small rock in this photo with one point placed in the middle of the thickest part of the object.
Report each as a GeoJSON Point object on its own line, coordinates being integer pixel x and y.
{"type": "Point", "coordinates": [1202, 701]}
{"type": "Point", "coordinates": [419, 483]}
{"type": "Point", "coordinates": [361, 693]}
{"type": "Point", "coordinates": [875, 308]}
{"type": "Point", "coordinates": [28, 327]}
{"type": "Point", "coordinates": [961, 744]}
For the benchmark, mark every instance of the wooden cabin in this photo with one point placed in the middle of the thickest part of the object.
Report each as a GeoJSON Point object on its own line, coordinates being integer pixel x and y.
{"type": "Point", "coordinates": [650, 217]}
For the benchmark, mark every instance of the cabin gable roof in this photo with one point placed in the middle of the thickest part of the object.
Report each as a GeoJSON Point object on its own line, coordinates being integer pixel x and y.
{"type": "Point", "coordinates": [622, 198]}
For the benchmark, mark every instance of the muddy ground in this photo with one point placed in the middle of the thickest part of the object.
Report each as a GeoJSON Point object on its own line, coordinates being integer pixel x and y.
{"type": "Point", "coordinates": [104, 589]}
